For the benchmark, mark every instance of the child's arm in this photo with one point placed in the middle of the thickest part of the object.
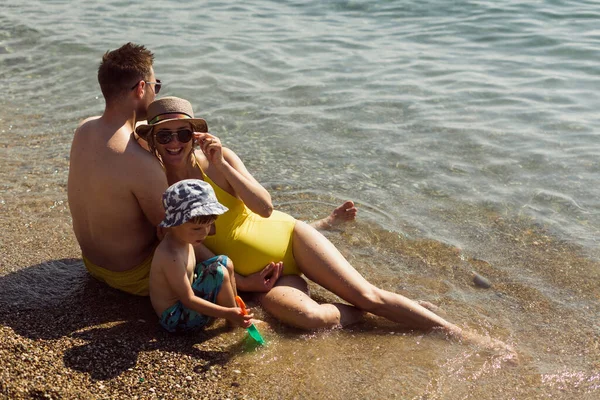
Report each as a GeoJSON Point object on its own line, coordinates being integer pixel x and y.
{"type": "Point", "coordinates": [176, 277]}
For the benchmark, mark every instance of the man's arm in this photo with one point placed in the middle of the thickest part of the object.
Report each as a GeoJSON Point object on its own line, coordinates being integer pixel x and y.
{"type": "Point", "coordinates": [149, 184]}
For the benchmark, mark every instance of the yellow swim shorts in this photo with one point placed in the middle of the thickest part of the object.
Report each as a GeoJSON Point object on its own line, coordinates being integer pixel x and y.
{"type": "Point", "coordinates": [134, 281]}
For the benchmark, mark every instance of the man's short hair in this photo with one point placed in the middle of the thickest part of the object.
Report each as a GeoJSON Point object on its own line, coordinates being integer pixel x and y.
{"type": "Point", "coordinates": [122, 68]}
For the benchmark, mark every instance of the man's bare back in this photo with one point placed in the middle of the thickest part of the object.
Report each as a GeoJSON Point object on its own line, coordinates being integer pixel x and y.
{"type": "Point", "coordinates": [114, 192]}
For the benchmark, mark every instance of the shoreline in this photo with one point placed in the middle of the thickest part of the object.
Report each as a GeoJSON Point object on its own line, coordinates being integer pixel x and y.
{"type": "Point", "coordinates": [65, 335]}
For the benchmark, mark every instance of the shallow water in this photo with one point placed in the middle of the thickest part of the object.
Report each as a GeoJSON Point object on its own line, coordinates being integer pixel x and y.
{"type": "Point", "coordinates": [465, 131]}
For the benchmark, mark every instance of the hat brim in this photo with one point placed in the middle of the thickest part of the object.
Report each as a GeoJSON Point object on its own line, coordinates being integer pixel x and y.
{"type": "Point", "coordinates": [177, 218]}
{"type": "Point", "coordinates": [198, 124]}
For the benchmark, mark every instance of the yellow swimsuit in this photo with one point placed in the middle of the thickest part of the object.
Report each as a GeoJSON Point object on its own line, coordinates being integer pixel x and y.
{"type": "Point", "coordinates": [248, 239]}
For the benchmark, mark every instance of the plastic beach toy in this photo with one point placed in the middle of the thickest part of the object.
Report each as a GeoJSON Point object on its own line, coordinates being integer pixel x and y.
{"type": "Point", "coordinates": [252, 331]}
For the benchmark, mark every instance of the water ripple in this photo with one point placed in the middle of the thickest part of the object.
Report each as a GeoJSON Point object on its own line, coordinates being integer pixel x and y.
{"type": "Point", "coordinates": [473, 94]}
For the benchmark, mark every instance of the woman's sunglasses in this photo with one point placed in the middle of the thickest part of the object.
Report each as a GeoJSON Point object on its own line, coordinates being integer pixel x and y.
{"type": "Point", "coordinates": [183, 135]}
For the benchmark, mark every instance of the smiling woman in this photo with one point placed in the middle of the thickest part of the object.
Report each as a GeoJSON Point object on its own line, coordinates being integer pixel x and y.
{"type": "Point", "coordinates": [264, 242]}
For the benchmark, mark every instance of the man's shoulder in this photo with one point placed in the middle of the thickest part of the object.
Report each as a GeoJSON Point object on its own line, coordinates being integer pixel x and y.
{"type": "Point", "coordinates": [140, 156]}
{"type": "Point", "coordinates": [88, 123]}
{"type": "Point", "coordinates": [87, 129]}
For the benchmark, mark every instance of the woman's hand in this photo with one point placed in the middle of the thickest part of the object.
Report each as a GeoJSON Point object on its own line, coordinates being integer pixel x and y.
{"type": "Point", "coordinates": [261, 281]}
{"type": "Point", "coordinates": [239, 182]}
{"type": "Point", "coordinates": [210, 146]}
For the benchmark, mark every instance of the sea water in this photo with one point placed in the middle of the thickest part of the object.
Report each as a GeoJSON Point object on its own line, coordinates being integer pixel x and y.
{"type": "Point", "coordinates": [465, 131]}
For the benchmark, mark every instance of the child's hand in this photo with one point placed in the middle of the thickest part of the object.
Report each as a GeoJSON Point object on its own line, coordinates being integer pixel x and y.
{"type": "Point", "coordinates": [237, 318]}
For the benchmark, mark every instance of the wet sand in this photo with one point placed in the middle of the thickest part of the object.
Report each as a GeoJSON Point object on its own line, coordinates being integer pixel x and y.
{"type": "Point", "coordinates": [64, 335]}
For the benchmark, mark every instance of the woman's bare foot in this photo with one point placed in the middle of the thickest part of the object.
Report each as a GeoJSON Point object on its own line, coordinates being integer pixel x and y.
{"type": "Point", "coordinates": [485, 342]}
{"type": "Point", "coordinates": [344, 213]}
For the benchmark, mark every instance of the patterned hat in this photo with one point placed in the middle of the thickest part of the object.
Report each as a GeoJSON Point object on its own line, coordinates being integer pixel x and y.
{"type": "Point", "coordinates": [188, 199]}
{"type": "Point", "coordinates": [169, 109]}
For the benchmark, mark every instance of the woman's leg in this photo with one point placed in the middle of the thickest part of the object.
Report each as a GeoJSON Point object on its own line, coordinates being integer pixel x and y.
{"type": "Point", "coordinates": [321, 262]}
{"type": "Point", "coordinates": [289, 302]}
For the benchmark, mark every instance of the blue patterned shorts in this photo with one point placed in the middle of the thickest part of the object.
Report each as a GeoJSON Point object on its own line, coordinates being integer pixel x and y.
{"type": "Point", "coordinates": [208, 279]}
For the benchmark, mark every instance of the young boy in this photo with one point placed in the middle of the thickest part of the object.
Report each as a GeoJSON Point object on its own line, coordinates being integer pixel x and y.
{"type": "Point", "coordinates": [186, 295]}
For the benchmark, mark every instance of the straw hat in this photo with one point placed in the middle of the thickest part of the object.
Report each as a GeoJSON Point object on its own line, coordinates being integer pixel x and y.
{"type": "Point", "coordinates": [170, 109]}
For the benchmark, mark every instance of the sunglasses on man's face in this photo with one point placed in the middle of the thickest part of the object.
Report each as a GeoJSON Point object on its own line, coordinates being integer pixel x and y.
{"type": "Point", "coordinates": [183, 135]}
{"type": "Point", "coordinates": [157, 85]}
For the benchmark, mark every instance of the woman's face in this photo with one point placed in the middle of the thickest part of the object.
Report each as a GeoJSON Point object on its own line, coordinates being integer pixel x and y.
{"type": "Point", "coordinates": [174, 141]}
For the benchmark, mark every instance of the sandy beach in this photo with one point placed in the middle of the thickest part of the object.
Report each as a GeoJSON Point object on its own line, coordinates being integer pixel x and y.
{"type": "Point", "coordinates": [466, 133]}
{"type": "Point", "coordinates": [65, 335]}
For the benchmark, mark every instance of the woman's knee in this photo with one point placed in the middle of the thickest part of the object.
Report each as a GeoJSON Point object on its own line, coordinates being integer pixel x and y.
{"type": "Point", "coordinates": [289, 302]}
{"type": "Point", "coordinates": [320, 316]}
{"type": "Point", "coordinates": [369, 299]}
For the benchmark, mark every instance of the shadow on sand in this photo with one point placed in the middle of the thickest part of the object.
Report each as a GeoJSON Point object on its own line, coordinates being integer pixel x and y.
{"type": "Point", "coordinates": [58, 300]}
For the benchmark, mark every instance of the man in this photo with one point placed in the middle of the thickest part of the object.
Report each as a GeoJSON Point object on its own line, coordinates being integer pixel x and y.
{"type": "Point", "coordinates": [115, 186]}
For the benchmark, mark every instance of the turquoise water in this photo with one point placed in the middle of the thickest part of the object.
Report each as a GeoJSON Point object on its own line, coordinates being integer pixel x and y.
{"type": "Point", "coordinates": [472, 124]}
{"type": "Point", "coordinates": [407, 107]}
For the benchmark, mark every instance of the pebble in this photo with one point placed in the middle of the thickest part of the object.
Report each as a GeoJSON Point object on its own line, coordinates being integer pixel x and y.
{"type": "Point", "coordinates": [481, 281]}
